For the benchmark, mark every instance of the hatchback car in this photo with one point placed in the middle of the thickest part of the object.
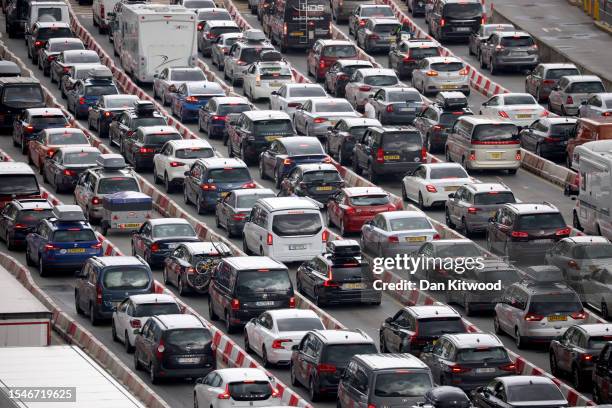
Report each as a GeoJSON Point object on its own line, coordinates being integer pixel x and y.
{"type": "Point", "coordinates": [176, 157]}
{"type": "Point", "coordinates": [63, 169]}
{"type": "Point", "coordinates": [324, 53]}
{"type": "Point", "coordinates": [167, 82]}
{"type": "Point", "coordinates": [221, 46]}
{"type": "Point", "coordinates": [598, 107]}
{"type": "Point", "coordinates": [50, 139]}
{"type": "Point", "coordinates": [394, 106]}
{"type": "Point", "coordinates": [125, 124]}
{"type": "Point", "coordinates": [363, 12]}
{"type": "Point", "coordinates": [86, 93]}
{"type": "Point", "coordinates": [520, 390]}
{"type": "Point", "coordinates": [367, 81]}
{"type": "Point", "coordinates": [602, 374]}
{"type": "Point", "coordinates": [53, 48]}
{"type": "Point", "coordinates": [580, 256]}
{"type": "Point", "coordinates": [264, 77]}
{"type": "Point", "coordinates": [351, 207]}
{"type": "Point", "coordinates": [292, 95]}
{"type": "Point", "coordinates": [190, 97]}
{"type": "Point", "coordinates": [431, 183]}
{"type": "Point", "coordinates": [507, 49]}
{"type": "Point", "coordinates": [339, 74]}
{"type": "Point", "coordinates": [316, 181]}
{"type": "Point", "coordinates": [405, 56]}
{"type": "Point", "coordinates": [377, 34]}
{"type": "Point", "coordinates": [478, 38]}
{"type": "Point", "coordinates": [232, 210]}
{"type": "Point", "coordinates": [31, 122]}
{"type": "Point", "coordinates": [20, 217]}
{"type": "Point", "coordinates": [566, 97]}
{"type": "Point", "coordinates": [315, 116]}
{"type": "Point", "coordinates": [213, 117]}
{"type": "Point", "coordinates": [435, 74]}
{"type": "Point", "coordinates": [545, 76]}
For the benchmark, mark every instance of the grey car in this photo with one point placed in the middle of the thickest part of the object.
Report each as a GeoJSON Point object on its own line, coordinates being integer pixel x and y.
{"type": "Point", "coordinates": [315, 116]}
{"type": "Point", "coordinates": [362, 13]}
{"type": "Point", "coordinates": [170, 79]}
{"type": "Point", "coordinates": [377, 34]}
{"type": "Point", "coordinates": [483, 33]}
{"type": "Point", "coordinates": [233, 209]}
{"type": "Point", "coordinates": [444, 248]}
{"type": "Point", "coordinates": [580, 256]}
{"type": "Point", "coordinates": [395, 106]}
{"type": "Point", "coordinates": [520, 391]}
{"type": "Point", "coordinates": [396, 232]}
{"type": "Point", "coordinates": [509, 50]}
{"type": "Point", "coordinates": [221, 46]}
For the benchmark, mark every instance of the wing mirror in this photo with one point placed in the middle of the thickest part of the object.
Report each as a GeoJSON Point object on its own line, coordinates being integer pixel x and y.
{"type": "Point", "coordinates": [295, 347]}
{"type": "Point", "coordinates": [187, 173]}
{"type": "Point", "coordinates": [451, 195]}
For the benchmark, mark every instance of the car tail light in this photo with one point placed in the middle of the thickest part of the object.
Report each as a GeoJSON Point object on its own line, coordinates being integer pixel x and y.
{"type": "Point", "coordinates": [200, 26]}
{"type": "Point", "coordinates": [285, 29]}
{"type": "Point", "coordinates": [473, 210]}
{"type": "Point", "coordinates": [503, 114]}
{"type": "Point", "coordinates": [437, 237]}
{"type": "Point", "coordinates": [81, 101]}
{"type": "Point", "coordinates": [472, 156]}
{"type": "Point", "coordinates": [50, 152]}
{"type": "Point", "coordinates": [50, 247]}
{"type": "Point", "coordinates": [431, 188]}
{"type": "Point", "coordinates": [146, 150]}
{"type": "Point", "coordinates": [325, 236]}
{"type": "Point", "coordinates": [548, 81]}
{"type": "Point", "coordinates": [269, 239]}
{"type": "Point", "coordinates": [362, 23]}
{"type": "Point", "coordinates": [29, 128]}
{"type": "Point", "coordinates": [389, 108]}
{"type": "Point", "coordinates": [573, 264]}
{"type": "Point", "coordinates": [517, 156]}
{"type": "Point", "coordinates": [544, 114]}
{"type": "Point", "coordinates": [326, 368]}
{"type": "Point", "coordinates": [51, 58]}
{"type": "Point", "coordinates": [423, 153]}
{"type": "Point", "coordinates": [393, 239]}
{"type": "Point", "coordinates": [320, 120]}
{"type": "Point", "coordinates": [275, 393]}
{"type": "Point", "coordinates": [239, 217]}
{"type": "Point", "coordinates": [69, 173]}
{"type": "Point", "coordinates": [211, 36]}
{"type": "Point", "coordinates": [292, 302]}
{"type": "Point", "coordinates": [20, 226]}
{"type": "Point", "coordinates": [371, 406]}
{"type": "Point", "coordinates": [38, 43]}
{"type": "Point", "coordinates": [569, 100]}
{"type": "Point", "coordinates": [373, 36]}
{"type": "Point", "coordinates": [551, 139]}
{"type": "Point", "coordinates": [365, 88]}
{"type": "Point", "coordinates": [95, 200]}
{"type": "Point", "coordinates": [155, 247]}
{"type": "Point", "coordinates": [278, 344]}
{"type": "Point", "coordinates": [66, 70]}
{"type": "Point", "coordinates": [249, 185]}
{"type": "Point", "coordinates": [579, 315]}
{"type": "Point", "coordinates": [107, 114]}
{"type": "Point", "coordinates": [432, 73]}
{"type": "Point", "coordinates": [322, 64]}
{"type": "Point", "coordinates": [380, 155]}
{"type": "Point", "coordinates": [176, 164]}
{"type": "Point", "coordinates": [294, 105]}
{"type": "Point", "coordinates": [208, 187]}
{"type": "Point", "coordinates": [463, 72]}
{"type": "Point", "coordinates": [457, 369]}
{"type": "Point", "coordinates": [97, 245]}
{"type": "Point", "coordinates": [135, 323]}
{"type": "Point", "coordinates": [350, 211]}
{"type": "Point", "coordinates": [191, 99]}
{"type": "Point", "coordinates": [225, 394]}
{"type": "Point", "coordinates": [219, 117]}
{"type": "Point", "coordinates": [287, 162]}
{"type": "Point", "coordinates": [532, 317]}
{"type": "Point", "coordinates": [159, 351]}
{"type": "Point", "coordinates": [98, 294]}
{"type": "Point", "coordinates": [563, 231]}
{"type": "Point", "coordinates": [235, 305]}
{"type": "Point", "coordinates": [437, 127]}
{"type": "Point", "coordinates": [519, 234]}
{"type": "Point", "coordinates": [442, 22]}
{"type": "Point", "coordinates": [508, 367]}
{"type": "Point", "coordinates": [407, 59]}
{"type": "Point", "coordinates": [586, 357]}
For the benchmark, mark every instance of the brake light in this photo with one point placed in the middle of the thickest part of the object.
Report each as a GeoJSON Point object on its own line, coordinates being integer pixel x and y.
{"type": "Point", "coordinates": [472, 156]}
{"type": "Point", "coordinates": [350, 211]}
{"type": "Point", "coordinates": [66, 70]}
{"type": "Point", "coordinates": [159, 351]}
{"type": "Point", "coordinates": [579, 315]}
{"type": "Point", "coordinates": [457, 369]}
{"type": "Point", "coordinates": [81, 101]}
{"type": "Point", "coordinates": [326, 368]}
{"type": "Point", "coordinates": [235, 304]}
{"type": "Point", "coordinates": [208, 187]}
{"type": "Point", "coordinates": [98, 294]}
{"type": "Point", "coordinates": [503, 114]}
{"type": "Point", "coordinates": [473, 210]}
{"type": "Point", "coordinates": [218, 117]}
{"type": "Point", "coordinates": [50, 247]}
{"type": "Point", "coordinates": [135, 323]}
{"type": "Point", "coordinates": [191, 99]}
{"type": "Point", "coordinates": [320, 120]}
{"type": "Point", "coordinates": [190, 271]}
{"type": "Point", "coordinates": [380, 155]}
{"type": "Point", "coordinates": [50, 152]}
{"type": "Point", "coordinates": [328, 283]}
{"type": "Point", "coordinates": [38, 43]}
{"type": "Point", "coordinates": [544, 114]}
{"type": "Point", "coordinates": [328, 159]}
{"type": "Point", "coordinates": [442, 22]}
{"type": "Point", "coordinates": [606, 114]}
{"type": "Point", "coordinates": [321, 64]}
{"type": "Point", "coordinates": [200, 26]}
{"type": "Point", "coordinates": [573, 264]}
{"type": "Point", "coordinates": [154, 247]}
{"type": "Point", "coordinates": [569, 100]}
{"type": "Point", "coordinates": [20, 226]}
{"type": "Point", "coordinates": [270, 239]}
{"type": "Point", "coordinates": [407, 59]}
{"type": "Point", "coordinates": [278, 344]}
{"type": "Point", "coordinates": [211, 36]}
{"type": "Point", "coordinates": [431, 188]}
{"type": "Point", "coordinates": [393, 239]}
{"type": "Point", "coordinates": [176, 164]}
{"type": "Point", "coordinates": [292, 302]}
{"type": "Point", "coordinates": [325, 236]}
{"type": "Point", "coordinates": [517, 156]}
{"type": "Point", "coordinates": [437, 237]}
{"type": "Point", "coordinates": [519, 234]}
{"type": "Point", "coordinates": [548, 81]}
{"type": "Point", "coordinates": [373, 36]}
{"type": "Point", "coordinates": [224, 395]}
{"type": "Point", "coordinates": [107, 114]}
{"type": "Point", "coordinates": [389, 108]}
{"type": "Point", "coordinates": [365, 88]}
{"type": "Point", "coordinates": [563, 231]}
{"type": "Point", "coordinates": [294, 105]}
{"type": "Point", "coordinates": [249, 185]}
{"type": "Point", "coordinates": [95, 200]}
{"type": "Point", "coordinates": [362, 23]}
{"type": "Point", "coordinates": [423, 153]}
{"type": "Point", "coordinates": [437, 127]}
{"type": "Point", "coordinates": [532, 317]}
{"type": "Point", "coordinates": [463, 72]}
{"type": "Point", "coordinates": [432, 73]}
{"type": "Point", "coordinates": [508, 367]}
{"type": "Point", "coordinates": [146, 150]}
{"type": "Point", "coordinates": [287, 162]}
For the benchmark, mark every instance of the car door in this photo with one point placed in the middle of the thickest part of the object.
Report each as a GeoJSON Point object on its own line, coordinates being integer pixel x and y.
{"type": "Point", "coordinates": [122, 320]}
{"type": "Point", "coordinates": [305, 359]}
{"type": "Point", "coordinates": [565, 348]}
{"type": "Point", "coordinates": [142, 239]}
{"type": "Point", "coordinates": [335, 210]}
{"type": "Point", "coordinates": [502, 309]}
{"type": "Point", "coordinates": [395, 333]}
{"type": "Point", "coordinates": [491, 107]}
{"type": "Point", "coordinates": [413, 183]}
{"type": "Point", "coordinates": [52, 166]}
{"type": "Point", "coordinates": [433, 359]}
{"type": "Point", "coordinates": [143, 342]}
{"type": "Point", "coordinates": [225, 210]}
{"type": "Point", "coordinates": [268, 158]}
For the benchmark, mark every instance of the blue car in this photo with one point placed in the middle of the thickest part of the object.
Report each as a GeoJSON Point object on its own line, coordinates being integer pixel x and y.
{"type": "Point", "coordinates": [212, 116]}
{"type": "Point", "coordinates": [64, 241]}
{"type": "Point", "coordinates": [191, 96]}
{"type": "Point", "coordinates": [86, 93]}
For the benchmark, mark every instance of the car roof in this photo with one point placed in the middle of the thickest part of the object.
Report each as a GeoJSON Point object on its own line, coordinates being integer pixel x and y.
{"type": "Point", "coordinates": [221, 162]}
{"type": "Point", "coordinates": [546, 288]}
{"type": "Point", "coordinates": [482, 120]}
{"type": "Point", "coordinates": [517, 33]}
{"type": "Point", "coordinates": [558, 65]}
{"type": "Point", "coordinates": [391, 215]}
{"type": "Point", "coordinates": [297, 140]}
{"type": "Point", "coordinates": [51, 24]}
{"type": "Point", "coordinates": [587, 239]}
{"type": "Point", "coordinates": [363, 191]}
{"type": "Point", "coordinates": [326, 43]}
{"type": "Point", "coordinates": [30, 204]}
{"type": "Point", "coordinates": [180, 321]}
{"type": "Point", "coordinates": [222, 23]}
{"type": "Point", "coordinates": [242, 374]}
{"type": "Point", "coordinates": [68, 53]}
{"type": "Point", "coordinates": [343, 336]}
{"type": "Point", "coordinates": [222, 100]}
{"type": "Point", "coordinates": [361, 122]}
{"type": "Point", "coordinates": [433, 60]}
{"type": "Point", "coordinates": [525, 379]}
{"type": "Point", "coordinates": [77, 149]}
{"type": "Point", "coordinates": [288, 203]}
{"type": "Point", "coordinates": [485, 187]}
{"type": "Point", "coordinates": [503, 95]}
{"type": "Point", "coordinates": [316, 167]}
{"type": "Point", "coordinates": [383, 361]}
{"type": "Point", "coordinates": [473, 340]}
{"type": "Point", "coordinates": [421, 42]}
{"type": "Point", "coordinates": [597, 329]}
{"type": "Point", "coordinates": [65, 131]}
{"type": "Point", "coordinates": [532, 208]}
{"type": "Point", "coordinates": [18, 80]}
{"type": "Point", "coordinates": [45, 111]}
{"type": "Point", "coordinates": [559, 120]}
{"type": "Point", "coordinates": [582, 78]}
{"type": "Point", "coordinates": [184, 69]}
{"type": "Point", "coordinates": [168, 221]}
{"type": "Point", "coordinates": [376, 71]}
{"type": "Point", "coordinates": [88, 67]}
{"type": "Point", "coordinates": [163, 129]}
{"type": "Point", "coordinates": [15, 168]}
{"type": "Point", "coordinates": [189, 143]}
{"type": "Point", "coordinates": [430, 311]}
{"type": "Point", "coordinates": [148, 298]}
{"type": "Point", "coordinates": [208, 248]}
{"type": "Point", "coordinates": [292, 313]}
{"type": "Point", "coordinates": [252, 191]}
{"type": "Point", "coordinates": [254, 262]}
{"type": "Point", "coordinates": [119, 260]}
{"type": "Point", "coordinates": [266, 114]}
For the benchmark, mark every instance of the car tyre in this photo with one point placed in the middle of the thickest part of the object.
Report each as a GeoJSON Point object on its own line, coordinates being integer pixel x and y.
{"type": "Point", "coordinates": [264, 358]}
{"type": "Point", "coordinates": [153, 374]}
{"type": "Point", "coordinates": [168, 184]}
{"type": "Point", "coordinates": [262, 173]}
{"type": "Point", "coordinates": [313, 391]}
{"type": "Point", "coordinates": [128, 346]}
{"type": "Point", "coordinates": [496, 326]}
{"type": "Point", "coordinates": [554, 367]}
{"type": "Point", "coordinates": [519, 340]}
{"type": "Point", "coordinates": [211, 312]}
{"type": "Point", "coordinates": [92, 315]}
{"type": "Point", "coordinates": [421, 203]}
{"type": "Point", "coordinates": [114, 332]}
{"type": "Point", "coordinates": [156, 178]}
{"type": "Point", "coordinates": [578, 379]}
{"type": "Point", "coordinates": [77, 305]}
{"type": "Point", "coordinates": [182, 290]}
{"type": "Point", "coordinates": [294, 380]}
{"type": "Point", "coordinates": [42, 268]}
{"type": "Point", "coordinates": [245, 247]}
{"type": "Point", "coordinates": [448, 220]}
{"type": "Point", "coordinates": [137, 365]}
{"type": "Point", "coordinates": [372, 176]}
{"type": "Point", "coordinates": [604, 311]}
{"type": "Point", "coordinates": [229, 327]}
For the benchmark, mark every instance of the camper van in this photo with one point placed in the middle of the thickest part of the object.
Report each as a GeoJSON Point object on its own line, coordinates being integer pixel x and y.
{"type": "Point", "coordinates": [45, 12]}
{"type": "Point", "coordinates": [149, 37]}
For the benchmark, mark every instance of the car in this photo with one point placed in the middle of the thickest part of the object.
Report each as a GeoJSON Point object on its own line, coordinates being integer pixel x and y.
{"type": "Point", "coordinates": [272, 334]}
{"type": "Point", "coordinates": [316, 181]}
{"type": "Point", "coordinates": [507, 49]}
{"type": "Point", "coordinates": [41, 33]}
{"type": "Point", "coordinates": [388, 150]}
{"type": "Point", "coordinates": [191, 96]}
{"type": "Point", "coordinates": [214, 13]}
{"type": "Point", "coordinates": [601, 375]}
{"type": "Point", "coordinates": [405, 56]}
{"type": "Point", "coordinates": [416, 7]}
{"type": "Point", "coordinates": [229, 387]}
{"type": "Point", "coordinates": [221, 46]}
{"type": "Point", "coordinates": [291, 96]}
{"type": "Point", "coordinates": [232, 210]}
{"type": "Point", "coordinates": [131, 315]}
{"type": "Point", "coordinates": [396, 232]}
{"type": "Point", "coordinates": [596, 290]}
{"type": "Point", "coordinates": [384, 379]}
{"type": "Point", "coordinates": [435, 74]}
{"type": "Point", "coordinates": [339, 74]}
{"type": "Point", "coordinates": [580, 256]}
{"type": "Point", "coordinates": [597, 106]}
{"type": "Point", "coordinates": [210, 179]}
{"type": "Point", "coordinates": [538, 310]}
{"type": "Point", "coordinates": [324, 53]}
{"type": "Point", "coordinates": [340, 139]}
{"type": "Point", "coordinates": [454, 19]}
{"type": "Point", "coordinates": [176, 157]}
{"type": "Point", "coordinates": [167, 82]}
{"type": "Point", "coordinates": [52, 49]}
{"type": "Point", "coordinates": [9, 69]}
{"type": "Point", "coordinates": [568, 94]}
{"type": "Point", "coordinates": [157, 238]}
{"type": "Point", "coordinates": [518, 390]}
{"type": "Point", "coordinates": [315, 116]}
{"type": "Point", "coordinates": [240, 56]}
{"type": "Point", "coordinates": [140, 148]}
{"type": "Point", "coordinates": [75, 73]}
{"type": "Point", "coordinates": [322, 354]}
{"type": "Point", "coordinates": [421, 326]}
{"type": "Point", "coordinates": [377, 34]}
{"type": "Point", "coordinates": [545, 77]}
{"type": "Point", "coordinates": [548, 137]}
{"type": "Point", "coordinates": [442, 395]}
{"type": "Point", "coordinates": [19, 217]}
{"type": "Point", "coordinates": [64, 241]}
{"type": "Point", "coordinates": [286, 153]}
{"type": "Point", "coordinates": [261, 284]}
{"type": "Point", "coordinates": [105, 109]}
{"type": "Point", "coordinates": [520, 109]}
{"type": "Point", "coordinates": [287, 229]}
{"type": "Point", "coordinates": [213, 117]}
{"type": "Point", "coordinates": [478, 38]}
{"type": "Point", "coordinates": [221, 23]}
{"type": "Point", "coordinates": [185, 342]}
{"type": "Point", "coordinates": [28, 125]}
{"type": "Point", "coordinates": [471, 206]}
{"type": "Point", "coordinates": [85, 93]}
{"type": "Point", "coordinates": [394, 106]}
{"type": "Point", "coordinates": [524, 231]}
{"type": "Point", "coordinates": [190, 266]}
{"type": "Point", "coordinates": [68, 59]}
{"type": "Point", "coordinates": [49, 140]}
{"type": "Point", "coordinates": [350, 207]}
{"type": "Point", "coordinates": [63, 169]}
{"type": "Point", "coordinates": [114, 279]}
{"type": "Point", "coordinates": [16, 95]}
{"type": "Point", "coordinates": [124, 125]}
{"type": "Point", "coordinates": [17, 181]}
{"type": "Point", "coordinates": [468, 360]}
{"type": "Point", "coordinates": [431, 183]}
{"type": "Point", "coordinates": [367, 81]}
{"type": "Point", "coordinates": [341, 10]}
{"type": "Point", "coordinates": [194, 4]}
{"type": "Point", "coordinates": [264, 77]}
{"type": "Point", "coordinates": [362, 12]}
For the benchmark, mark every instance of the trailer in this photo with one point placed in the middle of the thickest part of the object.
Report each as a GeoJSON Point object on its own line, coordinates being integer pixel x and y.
{"type": "Point", "coordinates": [59, 376]}
{"type": "Point", "coordinates": [155, 37]}
{"type": "Point", "coordinates": [24, 320]}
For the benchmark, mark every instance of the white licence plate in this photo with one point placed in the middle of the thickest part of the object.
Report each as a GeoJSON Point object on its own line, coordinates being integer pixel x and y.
{"type": "Point", "coordinates": [462, 29]}
{"type": "Point", "coordinates": [518, 54]}
{"type": "Point", "coordinates": [297, 247]}
{"type": "Point", "coordinates": [485, 370]}
{"type": "Point", "coordinates": [188, 360]}
{"type": "Point", "coordinates": [172, 246]}
{"type": "Point", "coordinates": [407, 109]}
{"type": "Point", "coordinates": [265, 303]}
{"type": "Point", "coordinates": [541, 241]}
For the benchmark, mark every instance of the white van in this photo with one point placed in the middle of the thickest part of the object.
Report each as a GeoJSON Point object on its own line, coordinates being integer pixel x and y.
{"type": "Point", "coordinates": [287, 229]}
{"type": "Point", "coordinates": [100, 9]}
{"type": "Point", "coordinates": [155, 37]}
{"type": "Point", "coordinates": [47, 12]}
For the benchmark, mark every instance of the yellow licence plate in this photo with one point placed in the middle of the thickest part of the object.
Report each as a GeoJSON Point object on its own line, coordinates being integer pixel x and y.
{"type": "Point", "coordinates": [448, 86]}
{"type": "Point", "coordinates": [325, 188]}
{"type": "Point", "coordinates": [392, 157]}
{"type": "Point", "coordinates": [297, 33]}
{"type": "Point", "coordinates": [353, 285]}
{"type": "Point", "coordinates": [451, 188]}
{"type": "Point", "coordinates": [556, 318]}
{"type": "Point", "coordinates": [272, 138]}
{"type": "Point", "coordinates": [523, 116]}
{"type": "Point", "coordinates": [415, 239]}
{"type": "Point", "coordinates": [225, 194]}
{"type": "Point", "coordinates": [76, 250]}
{"type": "Point", "coordinates": [496, 155]}
{"type": "Point", "coordinates": [134, 225]}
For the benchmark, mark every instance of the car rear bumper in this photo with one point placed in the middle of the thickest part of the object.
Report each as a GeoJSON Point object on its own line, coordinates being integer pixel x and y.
{"type": "Point", "coordinates": [185, 372]}
{"type": "Point", "coordinates": [333, 296]}
{"type": "Point", "coordinates": [398, 168]}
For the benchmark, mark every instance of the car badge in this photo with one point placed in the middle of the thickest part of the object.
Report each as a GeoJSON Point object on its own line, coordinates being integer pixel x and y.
{"type": "Point", "coordinates": [265, 296]}
{"type": "Point", "coordinates": [76, 245]}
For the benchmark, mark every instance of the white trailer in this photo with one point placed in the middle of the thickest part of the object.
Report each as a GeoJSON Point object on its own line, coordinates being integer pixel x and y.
{"type": "Point", "coordinates": [593, 160]}
{"type": "Point", "coordinates": [64, 369]}
{"type": "Point", "coordinates": [155, 37]}
{"type": "Point", "coordinates": [24, 320]}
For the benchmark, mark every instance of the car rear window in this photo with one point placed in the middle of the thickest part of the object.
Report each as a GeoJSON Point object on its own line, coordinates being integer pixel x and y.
{"type": "Point", "coordinates": [233, 108]}
{"type": "Point", "coordinates": [447, 172]}
{"type": "Point", "coordinates": [424, 52]}
{"type": "Point", "coordinates": [149, 121]}
{"type": "Point", "coordinates": [307, 148]}
{"type": "Point", "coordinates": [74, 235]}
{"type": "Point", "coordinates": [250, 391]}
{"type": "Point", "coordinates": [188, 75]}
{"type": "Point", "coordinates": [534, 392]}
{"type": "Point", "coordinates": [519, 100]}
{"type": "Point", "coordinates": [116, 184]}
{"type": "Point", "coordinates": [173, 230]}
{"type": "Point", "coordinates": [348, 270]}
{"type": "Point", "coordinates": [64, 46]}
{"type": "Point", "coordinates": [447, 66]}
{"type": "Point", "coordinates": [458, 249]}
{"type": "Point", "coordinates": [249, 201]}
{"type": "Point", "coordinates": [48, 14]}
{"type": "Point", "coordinates": [551, 303]}
{"type": "Point", "coordinates": [402, 96]}
{"type": "Point", "coordinates": [49, 120]}
{"type": "Point", "coordinates": [18, 184]}
{"type": "Point", "coordinates": [334, 106]}
{"type": "Point", "coordinates": [223, 30]}
{"type": "Point", "coordinates": [560, 72]}
{"type": "Point", "coordinates": [381, 80]}
{"type": "Point", "coordinates": [30, 94]}
{"type": "Point", "coordinates": [33, 216]}
{"type": "Point", "coordinates": [126, 277]}
{"type": "Point", "coordinates": [306, 92]}
{"type": "Point", "coordinates": [322, 177]}
{"type": "Point", "coordinates": [196, 338]}
{"type": "Point", "coordinates": [593, 251]}
{"type": "Point", "coordinates": [299, 324]}
{"type": "Point", "coordinates": [81, 158]}
{"type": "Point", "coordinates": [586, 87]}
{"type": "Point", "coordinates": [494, 133]}
{"type": "Point", "coordinates": [401, 140]}
{"type": "Point", "coordinates": [341, 354]}
{"type": "Point", "coordinates": [480, 354]}
{"type": "Point", "coordinates": [217, 15]}
{"type": "Point", "coordinates": [494, 198]}
{"type": "Point", "coordinates": [410, 223]}
{"type": "Point", "coordinates": [402, 383]}
{"type": "Point", "coordinates": [462, 10]}
{"type": "Point", "coordinates": [45, 34]}
{"type": "Point", "coordinates": [449, 118]}
{"type": "Point", "coordinates": [363, 201]}
{"type": "Point", "coordinates": [68, 138]}
{"type": "Point", "coordinates": [299, 223]}
{"type": "Point", "coordinates": [565, 130]}
{"type": "Point", "coordinates": [440, 326]}
{"type": "Point", "coordinates": [272, 127]}
{"type": "Point", "coordinates": [250, 55]}
{"type": "Point", "coordinates": [540, 221]}
{"type": "Point", "coordinates": [230, 175]}
{"type": "Point", "coordinates": [160, 138]}
{"type": "Point", "coordinates": [339, 51]}
{"type": "Point", "coordinates": [383, 11]}
{"type": "Point", "coordinates": [197, 4]}
{"type": "Point", "coordinates": [263, 281]}
{"type": "Point", "coordinates": [99, 90]}
{"type": "Point", "coordinates": [517, 41]}
{"type": "Point", "coordinates": [194, 153]}
{"type": "Point", "coordinates": [506, 276]}
{"type": "Point", "coordinates": [156, 309]}
{"type": "Point", "coordinates": [83, 58]}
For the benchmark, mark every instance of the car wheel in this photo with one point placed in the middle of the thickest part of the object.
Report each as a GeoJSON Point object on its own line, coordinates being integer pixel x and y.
{"type": "Point", "coordinates": [182, 290]}
{"type": "Point", "coordinates": [554, 368]}
{"type": "Point", "coordinates": [482, 63]}
{"type": "Point", "coordinates": [421, 203]}
{"type": "Point", "coordinates": [577, 378]}
{"type": "Point", "coordinates": [77, 304]}
{"type": "Point", "coordinates": [128, 346]}
{"type": "Point", "coordinates": [201, 210]}
{"type": "Point", "coordinates": [152, 374]}
{"type": "Point", "coordinates": [264, 358]}
{"type": "Point", "coordinates": [496, 327]}
{"type": "Point", "coordinates": [342, 230]}
{"type": "Point", "coordinates": [186, 196]}
{"type": "Point", "coordinates": [92, 315]}
{"type": "Point", "coordinates": [165, 277]}
{"type": "Point", "coordinates": [518, 339]}
{"type": "Point", "coordinates": [538, 150]}
{"type": "Point", "coordinates": [42, 268]}
{"type": "Point", "coordinates": [404, 195]}
{"type": "Point", "coordinates": [245, 247]}
{"type": "Point", "coordinates": [383, 345]}
{"type": "Point", "coordinates": [428, 144]}
{"type": "Point", "coordinates": [229, 327]}
{"type": "Point", "coordinates": [137, 365]}
{"type": "Point", "coordinates": [211, 312]}
{"type": "Point", "coordinates": [294, 380]}
{"type": "Point", "coordinates": [230, 148]}
{"type": "Point", "coordinates": [168, 184]}
{"type": "Point", "coordinates": [372, 175]}
{"type": "Point", "coordinates": [9, 244]}
{"type": "Point", "coordinates": [156, 178]}
{"type": "Point", "coordinates": [448, 220]}
{"type": "Point", "coordinates": [247, 345]}
{"type": "Point", "coordinates": [604, 311]}
{"type": "Point", "coordinates": [313, 390]}
{"type": "Point", "coordinates": [262, 173]}
{"type": "Point", "coordinates": [465, 230]}
{"type": "Point", "coordinates": [114, 332]}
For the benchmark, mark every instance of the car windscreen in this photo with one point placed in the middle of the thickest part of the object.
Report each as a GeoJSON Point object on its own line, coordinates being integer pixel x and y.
{"type": "Point", "coordinates": [82, 58]}
{"type": "Point", "coordinates": [384, 28]}
{"type": "Point", "coordinates": [196, 338]}
{"type": "Point", "coordinates": [424, 52]}
{"type": "Point", "coordinates": [462, 11]}
{"type": "Point", "coordinates": [586, 87]}
{"type": "Point", "coordinates": [18, 184]}
{"type": "Point", "coordinates": [64, 46]}
{"type": "Point", "coordinates": [505, 276]}
{"type": "Point", "coordinates": [517, 41]}
{"type": "Point", "coordinates": [46, 33]}
{"type": "Point", "coordinates": [440, 326]}
{"type": "Point", "coordinates": [402, 384]}
{"type": "Point", "coordinates": [448, 119]}
{"type": "Point", "coordinates": [67, 138]}
{"type": "Point", "coordinates": [22, 94]}
{"type": "Point", "coordinates": [598, 342]}
{"type": "Point", "coordinates": [304, 148]}
{"type": "Point", "coordinates": [565, 130]}
{"type": "Point", "coordinates": [270, 127]}
{"type": "Point", "coordinates": [458, 249]}
{"type": "Point", "coordinates": [382, 11]}
{"type": "Point", "coordinates": [112, 185]}
{"type": "Point", "coordinates": [447, 66]}
{"type": "Point", "coordinates": [250, 55]}
{"type": "Point", "coordinates": [33, 216]}
{"type": "Point", "coordinates": [447, 172]}
{"type": "Point", "coordinates": [334, 106]}
{"type": "Point", "coordinates": [340, 354]}
{"type": "Point", "coordinates": [593, 251]}
{"type": "Point", "coordinates": [233, 108]}
{"type": "Point", "coordinates": [482, 354]}
{"type": "Point", "coordinates": [263, 281]}
{"type": "Point", "coordinates": [149, 121]}
{"type": "Point", "coordinates": [551, 303]}
{"type": "Point", "coordinates": [540, 221]}
{"type": "Point", "coordinates": [48, 120]}
{"type": "Point", "coordinates": [173, 230]}
{"type": "Point", "coordinates": [401, 140]}
{"type": "Point", "coordinates": [194, 153]}
{"type": "Point", "coordinates": [99, 90]}
{"type": "Point", "coordinates": [402, 96]}
{"type": "Point", "coordinates": [187, 75]}
{"type": "Point", "coordinates": [126, 277]}
{"type": "Point", "coordinates": [321, 176]}
{"type": "Point", "coordinates": [533, 393]}
{"type": "Point", "coordinates": [250, 390]}
{"type": "Point", "coordinates": [381, 80]}
{"type": "Point", "coordinates": [48, 14]}
{"type": "Point", "coordinates": [557, 73]}
{"type": "Point", "coordinates": [230, 175]}
{"type": "Point", "coordinates": [216, 15]}
{"type": "Point", "coordinates": [159, 139]}
{"type": "Point", "coordinates": [519, 100]}
{"type": "Point", "coordinates": [74, 235]}
{"type": "Point", "coordinates": [299, 324]}
{"type": "Point", "coordinates": [493, 133]}
{"type": "Point", "coordinates": [296, 223]}
{"type": "Point", "coordinates": [308, 92]}
{"type": "Point", "coordinates": [494, 198]}
{"type": "Point", "coordinates": [155, 309]}
{"type": "Point", "coordinates": [83, 158]}
{"type": "Point", "coordinates": [409, 223]}
{"type": "Point", "coordinates": [366, 200]}
{"type": "Point", "coordinates": [248, 201]}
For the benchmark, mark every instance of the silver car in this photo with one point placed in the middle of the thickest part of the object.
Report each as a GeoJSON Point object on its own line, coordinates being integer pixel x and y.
{"type": "Point", "coordinates": [377, 34]}
{"type": "Point", "coordinates": [213, 28]}
{"type": "Point", "coordinates": [221, 47]}
{"type": "Point", "coordinates": [317, 115]}
{"type": "Point", "coordinates": [507, 49]}
{"type": "Point", "coordinates": [596, 290]}
{"type": "Point", "coordinates": [436, 74]}
{"type": "Point", "coordinates": [366, 82]}
{"type": "Point", "coordinates": [166, 83]}
{"type": "Point", "coordinates": [598, 106]}
{"type": "Point", "coordinates": [580, 256]}
{"type": "Point", "coordinates": [396, 232]}
{"type": "Point", "coordinates": [567, 96]}
{"type": "Point", "coordinates": [239, 58]}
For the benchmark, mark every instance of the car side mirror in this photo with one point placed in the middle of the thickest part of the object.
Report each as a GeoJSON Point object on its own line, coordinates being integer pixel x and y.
{"type": "Point", "coordinates": [555, 88]}
{"type": "Point", "coordinates": [111, 14]}
{"type": "Point", "coordinates": [492, 219]}
{"type": "Point", "coordinates": [200, 380]}
{"type": "Point", "coordinates": [273, 93]}
{"type": "Point", "coordinates": [295, 347]}
{"type": "Point", "coordinates": [388, 320]}
{"type": "Point", "coordinates": [451, 195]}
{"type": "Point", "coordinates": [187, 173]}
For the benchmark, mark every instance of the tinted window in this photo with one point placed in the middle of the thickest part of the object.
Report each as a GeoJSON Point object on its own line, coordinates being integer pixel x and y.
{"type": "Point", "coordinates": [402, 384]}
{"type": "Point", "coordinates": [541, 221]}
{"type": "Point", "coordinates": [211, 15]}
{"type": "Point", "coordinates": [333, 107]}
{"type": "Point", "coordinates": [196, 338]}
{"type": "Point", "coordinates": [420, 53]}
{"type": "Point", "coordinates": [230, 175]}
{"type": "Point", "coordinates": [384, 28]}
{"type": "Point", "coordinates": [44, 121]}
{"type": "Point", "coordinates": [304, 149]}
{"type": "Point", "coordinates": [286, 225]}
{"type": "Point", "coordinates": [250, 55]}
{"type": "Point", "coordinates": [494, 197]}
{"type": "Point", "coordinates": [149, 121]}
{"type": "Point", "coordinates": [299, 324]}
{"type": "Point", "coordinates": [18, 184]}
{"type": "Point", "coordinates": [33, 216]}
{"type": "Point", "coordinates": [593, 251]}
{"type": "Point", "coordinates": [349, 69]}
{"type": "Point", "coordinates": [198, 4]}
{"type": "Point", "coordinates": [160, 139]}
{"type": "Point", "coordinates": [462, 10]}
{"type": "Point", "coordinates": [448, 172]}
{"type": "Point", "coordinates": [99, 90]}
{"type": "Point", "coordinates": [306, 92]}
{"type": "Point", "coordinates": [81, 158]}
{"type": "Point", "coordinates": [506, 276]}
{"type": "Point", "coordinates": [82, 58]}
{"type": "Point", "coordinates": [233, 108]}
{"type": "Point", "coordinates": [272, 127]}
{"type": "Point", "coordinates": [558, 73]}
{"type": "Point", "coordinates": [67, 139]}
{"type": "Point", "coordinates": [173, 230]}
{"type": "Point", "coordinates": [321, 177]}
{"type": "Point", "coordinates": [369, 200]}
{"type": "Point", "coordinates": [401, 141]}
{"type": "Point", "coordinates": [358, 131]}
{"type": "Point", "coordinates": [411, 223]}
{"type": "Point", "coordinates": [377, 12]}
{"type": "Point", "coordinates": [54, 33]}
{"type": "Point", "coordinates": [63, 46]}
{"type": "Point", "coordinates": [403, 96]}
{"type": "Point", "coordinates": [249, 201]}
{"type": "Point", "coordinates": [458, 249]}
{"type": "Point", "coordinates": [565, 130]}
{"type": "Point", "coordinates": [534, 392]}
{"type": "Point", "coordinates": [339, 51]}
{"type": "Point", "coordinates": [74, 235]}
{"type": "Point", "coordinates": [194, 153]}
{"type": "Point", "coordinates": [126, 277]}
{"type": "Point", "coordinates": [264, 281]}
{"type": "Point", "coordinates": [223, 30]}
{"type": "Point", "coordinates": [155, 309]}
{"type": "Point", "coordinates": [440, 326]}
{"type": "Point", "coordinates": [598, 342]}
{"type": "Point", "coordinates": [340, 354]}
{"type": "Point", "coordinates": [116, 184]}
{"type": "Point", "coordinates": [549, 303]}
{"type": "Point", "coordinates": [587, 87]}
{"type": "Point", "coordinates": [348, 270]}
{"type": "Point", "coordinates": [250, 391]}
{"type": "Point", "coordinates": [49, 14]}
{"type": "Point", "coordinates": [447, 66]}
{"type": "Point", "coordinates": [482, 354]}
{"type": "Point", "coordinates": [517, 41]}
{"type": "Point", "coordinates": [15, 95]}
{"type": "Point", "coordinates": [380, 80]}
{"type": "Point", "coordinates": [495, 133]}
{"type": "Point", "coordinates": [519, 100]}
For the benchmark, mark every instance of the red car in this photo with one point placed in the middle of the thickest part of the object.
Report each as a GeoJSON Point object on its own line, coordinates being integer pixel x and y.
{"type": "Point", "coordinates": [352, 206]}
{"type": "Point", "coordinates": [324, 53]}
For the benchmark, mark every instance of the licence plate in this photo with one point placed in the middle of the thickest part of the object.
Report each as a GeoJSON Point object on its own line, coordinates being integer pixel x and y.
{"type": "Point", "coordinates": [188, 360]}
{"type": "Point", "coordinates": [311, 35]}
{"type": "Point", "coordinates": [264, 303]}
{"type": "Point", "coordinates": [272, 138]}
{"type": "Point", "coordinates": [391, 39]}
{"type": "Point", "coordinates": [492, 213]}
{"type": "Point", "coordinates": [76, 250]}
{"type": "Point", "coordinates": [556, 318]}
{"type": "Point", "coordinates": [225, 194]}
{"type": "Point", "coordinates": [172, 246]}
{"type": "Point", "coordinates": [541, 241]}
{"type": "Point", "coordinates": [462, 29]}
{"type": "Point", "coordinates": [415, 239]}
{"type": "Point", "coordinates": [392, 157]}
{"type": "Point", "coordinates": [523, 116]}
{"type": "Point", "coordinates": [496, 155]}
{"type": "Point", "coordinates": [448, 86]}
{"type": "Point", "coordinates": [518, 54]}
{"type": "Point", "coordinates": [325, 188]}
{"type": "Point", "coordinates": [485, 370]}
{"type": "Point", "coordinates": [451, 188]}
{"type": "Point", "coordinates": [358, 285]}
{"type": "Point", "coordinates": [133, 225]}
{"type": "Point", "coordinates": [297, 33]}
{"type": "Point", "coordinates": [407, 109]}
{"type": "Point", "coordinates": [296, 247]}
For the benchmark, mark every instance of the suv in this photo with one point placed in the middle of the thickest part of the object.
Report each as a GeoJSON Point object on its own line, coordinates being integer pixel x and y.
{"type": "Point", "coordinates": [106, 281]}
{"type": "Point", "coordinates": [360, 15]}
{"type": "Point", "coordinates": [17, 180]}
{"type": "Point", "coordinates": [455, 19]}
{"type": "Point", "coordinates": [340, 139]}
{"type": "Point", "coordinates": [339, 276]}
{"type": "Point", "coordinates": [211, 30]}
{"type": "Point", "coordinates": [145, 143]}
{"type": "Point", "coordinates": [523, 231]}
{"type": "Point", "coordinates": [405, 56]}
{"type": "Point", "coordinates": [125, 125]}
{"type": "Point", "coordinates": [243, 287]}
{"type": "Point", "coordinates": [507, 49]}
{"type": "Point", "coordinates": [567, 96]}
{"type": "Point", "coordinates": [388, 150]}
{"type": "Point", "coordinates": [377, 34]}
{"type": "Point", "coordinates": [322, 355]}
{"type": "Point", "coordinates": [16, 95]}
{"type": "Point", "coordinates": [414, 327]}
{"type": "Point", "coordinates": [41, 33]}
{"type": "Point", "coordinates": [19, 218]}
{"type": "Point", "coordinates": [316, 181]}
{"type": "Point", "coordinates": [174, 346]}
{"type": "Point", "coordinates": [602, 375]}
{"type": "Point", "coordinates": [384, 380]}
{"type": "Point", "coordinates": [240, 57]}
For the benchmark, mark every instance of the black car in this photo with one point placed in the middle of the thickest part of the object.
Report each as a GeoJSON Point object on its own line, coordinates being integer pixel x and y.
{"type": "Point", "coordinates": [340, 139]}
{"type": "Point", "coordinates": [455, 19]}
{"type": "Point", "coordinates": [140, 148]}
{"type": "Point", "coordinates": [102, 112]}
{"type": "Point", "coordinates": [406, 56]}
{"type": "Point", "coordinates": [232, 210]}
{"type": "Point", "coordinates": [124, 125]}
{"type": "Point", "coordinates": [317, 181]}
{"type": "Point", "coordinates": [41, 33]}
{"type": "Point", "coordinates": [32, 121]}
{"type": "Point", "coordinates": [174, 346]}
{"type": "Point", "coordinates": [548, 137]}
{"type": "Point", "coordinates": [19, 217]}
{"type": "Point", "coordinates": [9, 69]}
{"type": "Point", "coordinates": [339, 74]}
{"type": "Point", "coordinates": [516, 391]}
{"type": "Point", "coordinates": [16, 95]}
{"type": "Point", "coordinates": [62, 170]}
{"type": "Point", "coordinates": [53, 48]}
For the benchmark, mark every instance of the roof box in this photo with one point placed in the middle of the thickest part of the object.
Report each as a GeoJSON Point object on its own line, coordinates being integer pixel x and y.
{"type": "Point", "coordinates": [67, 213]}
{"type": "Point", "coordinates": [111, 161]}
{"type": "Point", "coordinates": [271, 55]}
{"type": "Point", "coordinates": [544, 274]}
{"type": "Point", "coordinates": [144, 108]}
{"type": "Point", "coordinates": [101, 73]}
{"type": "Point", "coordinates": [254, 35]}
{"type": "Point", "coordinates": [344, 248]}
{"type": "Point", "coordinates": [452, 100]}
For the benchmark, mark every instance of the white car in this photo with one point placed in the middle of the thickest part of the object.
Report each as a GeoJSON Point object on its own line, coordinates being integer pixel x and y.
{"type": "Point", "coordinates": [272, 334]}
{"type": "Point", "coordinates": [431, 183]}
{"type": "Point", "coordinates": [264, 77]}
{"type": "Point", "coordinates": [235, 387]}
{"type": "Point", "coordinates": [291, 96]}
{"type": "Point", "coordinates": [176, 157]}
{"type": "Point", "coordinates": [366, 81]}
{"type": "Point", "coordinates": [436, 74]}
{"type": "Point", "coordinates": [133, 313]}
{"type": "Point", "coordinates": [520, 109]}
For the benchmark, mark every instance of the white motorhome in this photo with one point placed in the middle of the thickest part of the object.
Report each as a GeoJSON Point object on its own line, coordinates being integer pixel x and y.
{"type": "Point", "coordinates": [593, 160]}
{"type": "Point", "coordinates": [47, 12]}
{"type": "Point", "coordinates": [155, 37]}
